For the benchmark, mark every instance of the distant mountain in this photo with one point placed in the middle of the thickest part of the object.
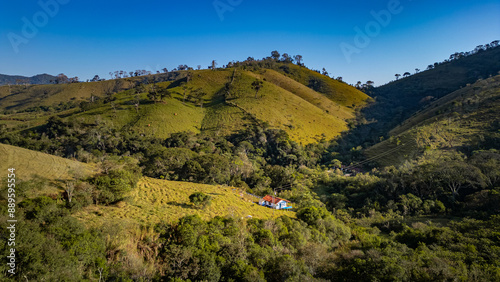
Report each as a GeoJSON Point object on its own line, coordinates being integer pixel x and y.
{"type": "Point", "coordinates": [18, 79]}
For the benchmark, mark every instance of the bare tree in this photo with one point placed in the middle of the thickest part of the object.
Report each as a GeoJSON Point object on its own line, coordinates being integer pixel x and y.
{"type": "Point", "coordinates": [136, 103]}
{"type": "Point", "coordinates": [69, 188]}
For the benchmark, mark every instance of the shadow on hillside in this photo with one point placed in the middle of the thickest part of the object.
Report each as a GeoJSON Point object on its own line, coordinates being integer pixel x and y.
{"type": "Point", "coordinates": [182, 205]}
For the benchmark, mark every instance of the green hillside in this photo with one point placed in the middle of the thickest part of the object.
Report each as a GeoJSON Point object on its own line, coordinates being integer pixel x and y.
{"type": "Point", "coordinates": [335, 90]}
{"type": "Point", "coordinates": [22, 97]}
{"type": "Point", "coordinates": [464, 120]}
{"type": "Point", "coordinates": [313, 97]}
{"type": "Point", "coordinates": [217, 102]}
{"type": "Point", "coordinates": [400, 99]}
{"type": "Point", "coordinates": [47, 172]}
{"type": "Point", "coordinates": [31, 164]}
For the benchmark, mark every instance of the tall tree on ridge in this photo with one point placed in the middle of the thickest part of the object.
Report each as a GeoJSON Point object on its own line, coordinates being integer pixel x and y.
{"type": "Point", "coordinates": [275, 55]}
{"type": "Point", "coordinates": [298, 59]}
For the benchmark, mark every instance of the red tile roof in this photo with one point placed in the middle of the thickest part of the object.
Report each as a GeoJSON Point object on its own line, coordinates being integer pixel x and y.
{"type": "Point", "coordinates": [274, 200]}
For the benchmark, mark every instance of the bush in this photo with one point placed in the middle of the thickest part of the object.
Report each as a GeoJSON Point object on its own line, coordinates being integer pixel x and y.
{"type": "Point", "coordinates": [113, 186]}
{"type": "Point", "coordinates": [200, 199]}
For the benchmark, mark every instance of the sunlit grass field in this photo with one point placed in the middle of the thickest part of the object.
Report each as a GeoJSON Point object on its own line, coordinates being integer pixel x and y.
{"type": "Point", "coordinates": [156, 200]}
{"type": "Point", "coordinates": [29, 164]}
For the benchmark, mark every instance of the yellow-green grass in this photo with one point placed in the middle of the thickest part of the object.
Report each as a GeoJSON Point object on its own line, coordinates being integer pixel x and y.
{"type": "Point", "coordinates": [156, 200]}
{"type": "Point", "coordinates": [221, 119]}
{"type": "Point", "coordinates": [18, 97]}
{"type": "Point", "coordinates": [306, 93]}
{"type": "Point", "coordinates": [304, 122]}
{"type": "Point", "coordinates": [162, 119]}
{"type": "Point", "coordinates": [306, 115]}
{"type": "Point", "coordinates": [30, 164]}
{"type": "Point", "coordinates": [210, 81]}
{"type": "Point", "coordinates": [335, 90]}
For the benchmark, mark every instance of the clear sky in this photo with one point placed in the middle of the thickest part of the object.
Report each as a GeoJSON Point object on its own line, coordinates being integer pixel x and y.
{"type": "Point", "coordinates": [84, 38]}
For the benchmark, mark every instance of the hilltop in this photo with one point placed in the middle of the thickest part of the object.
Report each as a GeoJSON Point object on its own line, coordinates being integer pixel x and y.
{"type": "Point", "coordinates": [402, 97]}
{"type": "Point", "coordinates": [307, 105]}
{"type": "Point", "coordinates": [464, 120]}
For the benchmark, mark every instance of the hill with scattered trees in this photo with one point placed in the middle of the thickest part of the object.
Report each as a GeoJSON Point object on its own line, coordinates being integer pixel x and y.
{"type": "Point", "coordinates": [309, 106]}
{"type": "Point", "coordinates": [463, 121]}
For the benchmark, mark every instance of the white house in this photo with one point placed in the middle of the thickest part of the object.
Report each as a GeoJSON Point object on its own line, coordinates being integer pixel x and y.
{"type": "Point", "coordinates": [274, 202]}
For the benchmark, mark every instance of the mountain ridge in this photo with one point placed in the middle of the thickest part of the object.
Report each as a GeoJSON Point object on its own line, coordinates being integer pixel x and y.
{"type": "Point", "coordinates": [43, 78]}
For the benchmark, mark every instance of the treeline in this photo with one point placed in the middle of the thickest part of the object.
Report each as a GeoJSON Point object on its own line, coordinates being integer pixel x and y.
{"type": "Point", "coordinates": [257, 158]}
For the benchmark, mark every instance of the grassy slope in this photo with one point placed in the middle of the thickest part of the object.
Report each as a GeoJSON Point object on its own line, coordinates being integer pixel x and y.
{"type": "Point", "coordinates": [335, 90]}
{"type": "Point", "coordinates": [18, 97]}
{"type": "Point", "coordinates": [459, 119]}
{"type": "Point", "coordinates": [160, 200]}
{"type": "Point", "coordinates": [306, 93]}
{"type": "Point", "coordinates": [304, 122]}
{"type": "Point", "coordinates": [407, 93]}
{"type": "Point", "coordinates": [30, 163]}
{"type": "Point", "coordinates": [153, 200]}
{"type": "Point", "coordinates": [283, 103]}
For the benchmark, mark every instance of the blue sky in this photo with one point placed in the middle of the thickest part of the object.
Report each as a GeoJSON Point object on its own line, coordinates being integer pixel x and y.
{"type": "Point", "coordinates": [84, 38]}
